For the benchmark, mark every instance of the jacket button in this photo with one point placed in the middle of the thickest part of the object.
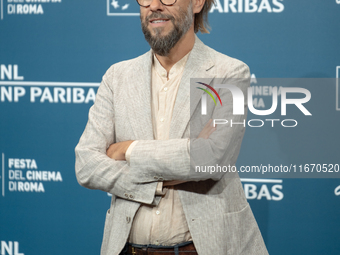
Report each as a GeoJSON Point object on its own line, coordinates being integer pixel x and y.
{"type": "Point", "coordinates": [131, 196]}
{"type": "Point", "coordinates": [126, 195]}
{"type": "Point", "coordinates": [128, 219]}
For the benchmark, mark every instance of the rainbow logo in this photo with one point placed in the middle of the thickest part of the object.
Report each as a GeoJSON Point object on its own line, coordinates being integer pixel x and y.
{"type": "Point", "coordinates": [212, 89]}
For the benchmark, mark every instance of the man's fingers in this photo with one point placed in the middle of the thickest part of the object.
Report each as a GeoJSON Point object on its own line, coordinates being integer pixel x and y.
{"type": "Point", "coordinates": [111, 150]}
{"type": "Point", "coordinates": [117, 150]}
{"type": "Point", "coordinates": [209, 123]}
{"type": "Point", "coordinates": [212, 130]}
{"type": "Point", "coordinates": [207, 130]}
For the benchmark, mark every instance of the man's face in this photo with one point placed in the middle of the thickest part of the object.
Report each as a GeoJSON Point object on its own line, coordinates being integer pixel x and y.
{"type": "Point", "coordinates": [164, 26]}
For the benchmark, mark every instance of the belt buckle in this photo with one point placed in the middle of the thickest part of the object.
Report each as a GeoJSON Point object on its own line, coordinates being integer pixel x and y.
{"type": "Point", "coordinates": [133, 250]}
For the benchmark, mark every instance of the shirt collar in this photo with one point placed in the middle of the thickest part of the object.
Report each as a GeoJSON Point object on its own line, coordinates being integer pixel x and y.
{"type": "Point", "coordinates": [175, 69]}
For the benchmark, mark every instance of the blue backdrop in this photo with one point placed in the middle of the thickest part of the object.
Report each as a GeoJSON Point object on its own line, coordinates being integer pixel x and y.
{"type": "Point", "coordinates": [52, 57]}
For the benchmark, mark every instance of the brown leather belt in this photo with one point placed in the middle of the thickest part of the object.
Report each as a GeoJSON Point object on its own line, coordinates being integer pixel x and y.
{"type": "Point", "coordinates": [188, 249]}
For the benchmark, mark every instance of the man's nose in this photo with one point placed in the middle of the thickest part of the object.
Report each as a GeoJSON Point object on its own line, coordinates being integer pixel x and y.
{"type": "Point", "coordinates": [156, 5]}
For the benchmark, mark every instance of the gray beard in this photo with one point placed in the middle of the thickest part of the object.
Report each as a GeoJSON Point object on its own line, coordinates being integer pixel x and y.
{"type": "Point", "coordinates": [161, 45]}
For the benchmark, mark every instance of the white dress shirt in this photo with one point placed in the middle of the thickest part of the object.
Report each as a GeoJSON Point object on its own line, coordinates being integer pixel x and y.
{"type": "Point", "coordinates": [164, 224]}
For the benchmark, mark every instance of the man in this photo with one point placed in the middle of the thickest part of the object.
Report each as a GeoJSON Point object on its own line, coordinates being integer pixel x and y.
{"type": "Point", "coordinates": [137, 141]}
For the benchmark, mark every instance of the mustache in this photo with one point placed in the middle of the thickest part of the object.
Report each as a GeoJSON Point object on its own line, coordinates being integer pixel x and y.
{"type": "Point", "coordinates": [158, 15]}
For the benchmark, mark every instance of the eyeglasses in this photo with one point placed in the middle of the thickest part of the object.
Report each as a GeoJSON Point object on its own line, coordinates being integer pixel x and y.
{"type": "Point", "coordinates": [147, 3]}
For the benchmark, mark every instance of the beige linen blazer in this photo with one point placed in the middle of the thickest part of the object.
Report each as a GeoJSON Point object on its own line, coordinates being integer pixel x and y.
{"type": "Point", "coordinates": [218, 214]}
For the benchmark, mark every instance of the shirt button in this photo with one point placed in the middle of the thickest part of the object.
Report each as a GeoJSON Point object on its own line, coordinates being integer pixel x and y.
{"type": "Point", "coordinates": [157, 243]}
{"type": "Point", "coordinates": [161, 119]}
{"type": "Point", "coordinates": [158, 212]}
{"type": "Point", "coordinates": [165, 89]}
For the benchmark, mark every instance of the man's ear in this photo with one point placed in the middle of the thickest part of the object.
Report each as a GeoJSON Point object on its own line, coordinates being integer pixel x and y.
{"type": "Point", "coordinates": [197, 5]}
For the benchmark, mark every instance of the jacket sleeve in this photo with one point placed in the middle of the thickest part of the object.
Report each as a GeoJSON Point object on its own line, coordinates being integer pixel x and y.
{"type": "Point", "coordinates": [178, 159]}
{"type": "Point", "coordinates": [94, 169]}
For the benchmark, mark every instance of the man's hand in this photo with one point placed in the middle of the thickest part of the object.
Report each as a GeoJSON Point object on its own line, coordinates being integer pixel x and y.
{"type": "Point", "coordinates": [205, 133]}
{"type": "Point", "coordinates": [207, 130]}
{"type": "Point", "coordinates": [117, 150]}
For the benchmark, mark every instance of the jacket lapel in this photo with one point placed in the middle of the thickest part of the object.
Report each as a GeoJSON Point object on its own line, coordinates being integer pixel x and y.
{"type": "Point", "coordinates": [199, 65]}
{"type": "Point", "coordinates": [140, 111]}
